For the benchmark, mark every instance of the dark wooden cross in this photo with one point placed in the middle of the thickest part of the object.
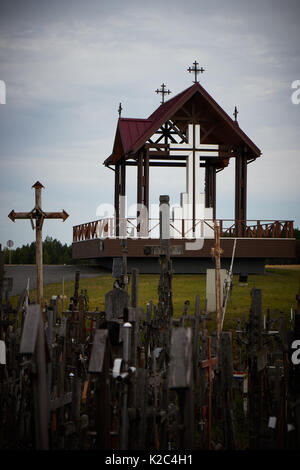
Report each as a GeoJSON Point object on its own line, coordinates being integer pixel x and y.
{"type": "Point", "coordinates": [208, 364]}
{"type": "Point", "coordinates": [235, 113]}
{"type": "Point", "coordinates": [39, 215]}
{"type": "Point", "coordinates": [195, 70]}
{"type": "Point", "coordinates": [163, 92]}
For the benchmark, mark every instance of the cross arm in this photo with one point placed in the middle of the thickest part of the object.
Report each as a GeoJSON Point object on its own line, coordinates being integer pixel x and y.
{"type": "Point", "coordinates": [19, 215]}
{"type": "Point", "coordinates": [56, 215]}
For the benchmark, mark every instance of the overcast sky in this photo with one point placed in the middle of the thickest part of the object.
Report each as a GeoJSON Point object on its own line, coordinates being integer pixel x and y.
{"type": "Point", "coordinates": [68, 64]}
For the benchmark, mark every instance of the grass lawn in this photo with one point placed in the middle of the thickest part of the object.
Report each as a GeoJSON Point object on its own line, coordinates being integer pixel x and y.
{"type": "Point", "coordinates": [279, 288]}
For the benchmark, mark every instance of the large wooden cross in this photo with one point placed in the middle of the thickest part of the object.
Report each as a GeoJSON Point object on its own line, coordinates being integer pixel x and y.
{"type": "Point", "coordinates": [39, 215]}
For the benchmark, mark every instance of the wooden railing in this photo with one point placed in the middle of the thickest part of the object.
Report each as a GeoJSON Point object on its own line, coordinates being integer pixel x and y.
{"type": "Point", "coordinates": [106, 228]}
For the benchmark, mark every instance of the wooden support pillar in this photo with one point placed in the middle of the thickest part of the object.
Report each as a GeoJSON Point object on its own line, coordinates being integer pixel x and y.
{"type": "Point", "coordinates": [241, 193]}
{"type": "Point", "coordinates": [143, 189]}
{"type": "Point", "coordinates": [139, 197]}
{"type": "Point", "coordinates": [210, 188]}
{"type": "Point", "coordinates": [117, 198]}
{"type": "Point", "coordinates": [146, 179]}
{"type": "Point", "coordinates": [122, 205]}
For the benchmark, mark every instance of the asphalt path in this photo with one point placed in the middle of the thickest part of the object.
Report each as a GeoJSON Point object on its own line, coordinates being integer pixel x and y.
{"type": "Point", "coordinates": [51, 274]}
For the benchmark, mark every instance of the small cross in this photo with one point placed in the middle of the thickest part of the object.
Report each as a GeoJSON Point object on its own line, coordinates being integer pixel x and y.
{"type": "Point", "coordinates": [195, 70]}
{"type": "Point", "coordinates": [235, 113]}
{"type": "Point", "coordinates": [163, 92]}
{"type": "Point", "coordinates": [120, 109]}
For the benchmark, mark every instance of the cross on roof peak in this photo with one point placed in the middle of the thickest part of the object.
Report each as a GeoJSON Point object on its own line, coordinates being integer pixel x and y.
{"type": "Point", "coordinates": [163, 92]}
{"type": "Point", "coordinates": [195, 70]}
{"type": "Point", "coordinates": [120, 109]}
{"type": "Point", "coordinates": [235, 113]}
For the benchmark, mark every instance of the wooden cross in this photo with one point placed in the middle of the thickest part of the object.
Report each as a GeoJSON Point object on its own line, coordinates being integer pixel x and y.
{"type": "Point", "coordinates": [209, 363]}
{"type": "Point", "coordinates": [39, 215]}
{"type": "Point", "coordinates": [195, 70]}
{"type": "Point", "coordinates": [163, 92]}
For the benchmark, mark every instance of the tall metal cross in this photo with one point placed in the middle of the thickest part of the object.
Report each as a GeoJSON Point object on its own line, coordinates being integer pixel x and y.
{"type": "Point", "coordinates": [39, 215]}
{"type": "Point", "coordinates": [195, 70]}
{"type": "Point", "coordinates": [163, 92]}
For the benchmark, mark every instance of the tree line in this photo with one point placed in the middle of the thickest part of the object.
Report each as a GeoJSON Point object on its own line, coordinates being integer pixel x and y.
{"type": "Point", "coordinates": [54, 252]}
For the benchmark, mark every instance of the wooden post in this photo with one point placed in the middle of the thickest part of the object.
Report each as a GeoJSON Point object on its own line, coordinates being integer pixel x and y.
{"type": "Point", "coordinates": [33, 344]}
{"type": "Point", "coordinates": [216, 251]}
{"type": "Point", "coordinates": [134, 287]}
{"type": "Point", "coordinates": [241, 193]}
{"type": "Point", "coordinates": [210, 188]}
{"type": "Point", "coordinates": [208, 364]}
{"type": "Point", "coordinates": [117, 199]}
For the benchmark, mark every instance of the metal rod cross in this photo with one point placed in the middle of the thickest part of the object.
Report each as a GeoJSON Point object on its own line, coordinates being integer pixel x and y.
{"type": "Point", "coordinates": [195, 70]}
{"type": "Point", "coordinates": [39, 215]}
{"type": "Point", "coordinates": [163, 92]}
{"type": "Point", "coordinates": [235, 113]}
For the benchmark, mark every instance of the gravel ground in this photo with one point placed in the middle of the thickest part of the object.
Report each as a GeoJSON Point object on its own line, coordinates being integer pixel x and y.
{"type": "Point", "coordinates": [52, 274]}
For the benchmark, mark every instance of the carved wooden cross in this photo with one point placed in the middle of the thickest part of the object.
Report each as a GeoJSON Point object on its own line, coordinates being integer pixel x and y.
{"type": "Point", "coordinates": [195, 70]}
{"type": "Point", "coordinates": [163, 92]}
{"type": "Point", "coordinates": [39, 215]}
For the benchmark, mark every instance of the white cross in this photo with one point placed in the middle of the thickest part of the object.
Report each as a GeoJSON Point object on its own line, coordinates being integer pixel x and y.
{"type": "Point", "coordinates": [192, 202]}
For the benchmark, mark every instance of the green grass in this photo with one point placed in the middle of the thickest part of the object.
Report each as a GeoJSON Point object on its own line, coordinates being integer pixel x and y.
{"type": "Point", "coordinates": [279, 289]}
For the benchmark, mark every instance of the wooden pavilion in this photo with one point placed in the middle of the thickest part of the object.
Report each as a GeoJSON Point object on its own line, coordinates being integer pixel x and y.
{"type": "Point", "coordinates": [189, 130]}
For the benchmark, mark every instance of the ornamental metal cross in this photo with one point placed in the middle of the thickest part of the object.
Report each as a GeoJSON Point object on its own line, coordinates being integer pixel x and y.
{"type": "Point", "coordinates": [195, 70]}
{"type": "Point", "coordinates": [163, 92]}
{"type": "Point", "coordinates": [235, 113]}
{"type": "Point", "coordinates": [120, 109]}
{"type": "Point", "coordinates": [39, 215]}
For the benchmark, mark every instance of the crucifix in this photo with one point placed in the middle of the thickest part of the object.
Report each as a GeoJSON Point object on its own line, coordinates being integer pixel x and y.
{"type": "Point", "coordinates": [195, 70]}
{"type": "Point", "coordinates": [39, 215]}
{"type": "Point", "coordinates": [163, 92]}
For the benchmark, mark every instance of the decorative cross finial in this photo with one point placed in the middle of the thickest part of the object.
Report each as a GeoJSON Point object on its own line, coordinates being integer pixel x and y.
{"type": "Point", "coordinates": [163, 92]}
{"type": "Point", "coordinates": [120, 109]}
{"type": "Point", "coordinates": [195, 70]}
{"type": "Point", "coordinates": [235, 113]}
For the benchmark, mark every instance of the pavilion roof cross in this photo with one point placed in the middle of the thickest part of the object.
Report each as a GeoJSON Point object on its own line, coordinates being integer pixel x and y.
{"type": "Point", "coordinates": [120, 109]}
{"type": "Point", "coordinates": [163, 91]}
{"type": "Point", "coordinates": [235, 113]}
{"type": "Point", "coordinates": [195, 70]}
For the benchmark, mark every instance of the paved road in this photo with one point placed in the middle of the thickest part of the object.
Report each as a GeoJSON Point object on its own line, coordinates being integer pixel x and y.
{"type": "Point", "coordinates": [52, 274]}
